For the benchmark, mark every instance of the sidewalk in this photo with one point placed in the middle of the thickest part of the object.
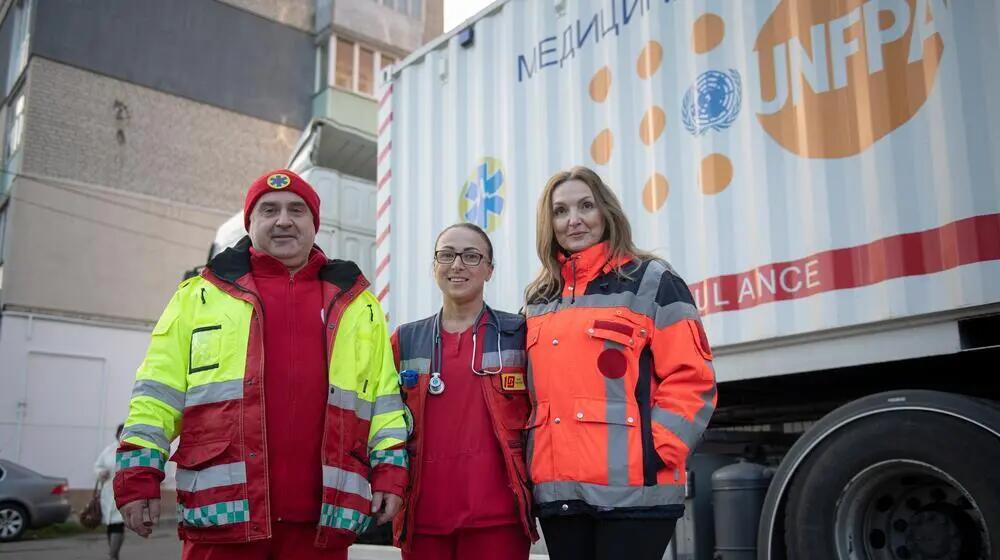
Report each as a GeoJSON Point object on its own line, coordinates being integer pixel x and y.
{"type": "Point", "coordinates": [163, 545]}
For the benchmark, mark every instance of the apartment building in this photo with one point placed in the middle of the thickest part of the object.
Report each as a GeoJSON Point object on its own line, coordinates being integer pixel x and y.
{"type": "Point", "coordinates": [131, 130]}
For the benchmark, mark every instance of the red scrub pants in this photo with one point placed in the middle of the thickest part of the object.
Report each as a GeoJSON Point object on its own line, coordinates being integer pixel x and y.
{"type": "Point", "coordinates": [505, 542]}
{"type": "Point", "coordinates": [288, 540]}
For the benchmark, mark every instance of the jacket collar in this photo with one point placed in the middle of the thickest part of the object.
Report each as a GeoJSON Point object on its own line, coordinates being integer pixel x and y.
{"type": "Point", "coordinates": [234, 263]}
{"type": "Point", "coordinates": [264, 265]}
{"type": "Point", "coordinates": [587, 264]}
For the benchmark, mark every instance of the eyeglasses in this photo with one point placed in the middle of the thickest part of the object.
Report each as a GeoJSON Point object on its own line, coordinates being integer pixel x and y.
{"type": "Point", "coordinates": [448, 257]}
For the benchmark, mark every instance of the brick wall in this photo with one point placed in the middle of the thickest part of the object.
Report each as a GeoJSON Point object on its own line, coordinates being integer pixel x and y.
{"type": "Point", "coordinates": [90, 128]}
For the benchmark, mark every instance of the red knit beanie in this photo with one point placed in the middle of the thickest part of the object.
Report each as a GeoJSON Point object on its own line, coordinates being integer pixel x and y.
{"type": "Point", "coordinates": [281, 180]}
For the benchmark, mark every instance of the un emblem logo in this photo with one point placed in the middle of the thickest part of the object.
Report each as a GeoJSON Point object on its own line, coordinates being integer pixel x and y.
{"type": "Point", "coordinates": [713, 102]}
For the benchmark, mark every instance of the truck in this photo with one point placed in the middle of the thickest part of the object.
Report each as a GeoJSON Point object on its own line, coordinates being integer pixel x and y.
{"type": "Point", "coordinates": [825, 174]}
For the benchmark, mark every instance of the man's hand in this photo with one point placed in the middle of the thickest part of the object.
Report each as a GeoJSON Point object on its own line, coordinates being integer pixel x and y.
{"type": "Point", "coordinates": [386, 506]}
{"type": "Point", "coordinates": [141, 515]}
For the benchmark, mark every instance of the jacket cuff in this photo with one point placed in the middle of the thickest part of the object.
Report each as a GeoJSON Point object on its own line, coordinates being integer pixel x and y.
{"type": "Point", "coordinates": [389, 479]}
{"type": "Point", "coordinates": [140, 474]}
{"type": "Point", "coordinates": [138, 483]}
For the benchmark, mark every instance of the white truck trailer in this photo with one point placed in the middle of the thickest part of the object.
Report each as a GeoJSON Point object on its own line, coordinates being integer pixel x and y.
{"type": "Point", "coordinates": [826, 176]}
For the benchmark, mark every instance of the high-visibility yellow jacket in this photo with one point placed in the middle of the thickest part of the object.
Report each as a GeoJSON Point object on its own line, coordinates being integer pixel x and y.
{"type": "Point", "coordinates": [202, 380]}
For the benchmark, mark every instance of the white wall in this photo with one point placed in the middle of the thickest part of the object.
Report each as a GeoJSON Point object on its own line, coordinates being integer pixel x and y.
{"type": "Point", "coordinates": [64, 387]}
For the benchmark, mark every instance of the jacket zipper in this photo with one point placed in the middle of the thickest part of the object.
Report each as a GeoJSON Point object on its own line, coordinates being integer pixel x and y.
{"type": "Point", "coordinates": [263, 406]}
{"type": "Point", "coordinates": [415, 486]}
{"type": "Point", "coordinates": [515, 478]}
{"type": "Point", "coordinates": [572, 288]}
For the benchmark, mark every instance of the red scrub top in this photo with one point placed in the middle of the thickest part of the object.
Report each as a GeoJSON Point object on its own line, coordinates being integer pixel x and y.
{"type": "Point", "coordinates": [463, 482]}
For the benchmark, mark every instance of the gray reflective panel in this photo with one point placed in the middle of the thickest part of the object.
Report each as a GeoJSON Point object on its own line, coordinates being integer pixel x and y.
{"type": "Point", "coordinates": [211, 477]}
{"type": "Point", "coordinates": [610, 496]}
{"type": "Point", "coordinates": [346, 481]}
{"type": "Point", "coordinates": [214, 392]}
{"type": "Point", "coordinates": [159, 391]}
{"type": "Point", "coordinates": [152, 434]}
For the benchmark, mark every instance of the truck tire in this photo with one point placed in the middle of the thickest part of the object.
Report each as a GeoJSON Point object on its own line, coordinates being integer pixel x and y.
{"type": "Point", "coordinates": [911, 485]}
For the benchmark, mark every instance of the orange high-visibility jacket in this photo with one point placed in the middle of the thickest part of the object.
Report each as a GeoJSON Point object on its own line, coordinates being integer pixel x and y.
{"type": "Point", "coordinates": [622, 386]}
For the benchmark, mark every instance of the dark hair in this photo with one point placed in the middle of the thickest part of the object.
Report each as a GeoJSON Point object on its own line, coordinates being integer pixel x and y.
{"type": "Point", "coordinates": [471, 227]}
{"type": "Point", "coordinates": [118, 432]}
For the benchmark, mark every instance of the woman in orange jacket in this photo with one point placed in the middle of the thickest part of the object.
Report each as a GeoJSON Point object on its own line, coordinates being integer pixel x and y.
{"type": "Point", "coordinates": [463, 377]}
{"type": "Point", "coordinates": [620, 376]}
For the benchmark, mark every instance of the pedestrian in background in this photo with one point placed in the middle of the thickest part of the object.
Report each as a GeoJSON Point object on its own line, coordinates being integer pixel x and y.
{"type": "Point", "coordinates": [274, 368]}
{"type": "Point", "coordinates": [464, 381]}
{"type": "Point", "coordinates": [105, 468]}
{"type": "Point", "coordinates": [621, 379]}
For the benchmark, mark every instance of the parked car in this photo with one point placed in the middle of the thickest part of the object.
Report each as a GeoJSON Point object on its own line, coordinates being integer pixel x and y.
{"type": "Point", "coordinates": [29, 500]}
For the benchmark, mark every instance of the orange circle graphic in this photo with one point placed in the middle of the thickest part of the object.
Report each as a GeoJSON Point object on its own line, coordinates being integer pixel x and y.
{"type": "Point", "coordinates": [652, 124]}
{"type": "Point", "coordinates": [654, 194]}
{"type": "Point", "coordinates": [867, 77]}
{"type": "Point", "coordinates": [716, 174]}
{"type": "Point", "coordinates": [649, 60]}
{"type": "Point", "coordinates": [600, 84]}
{"type": "Point", "coordinates": [709, 30]}
{"type": "Point", "coordinates": [600, 148]}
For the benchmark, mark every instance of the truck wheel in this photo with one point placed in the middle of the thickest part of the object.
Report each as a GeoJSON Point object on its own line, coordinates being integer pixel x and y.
{"type": "Point", "coordinates": [911, 486]}
{"type": "Point", "coordinates": [13, 522]}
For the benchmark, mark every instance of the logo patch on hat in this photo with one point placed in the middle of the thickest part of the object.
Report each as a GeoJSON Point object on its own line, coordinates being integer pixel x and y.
{"type": "Point", "coordinates": [278, 181]}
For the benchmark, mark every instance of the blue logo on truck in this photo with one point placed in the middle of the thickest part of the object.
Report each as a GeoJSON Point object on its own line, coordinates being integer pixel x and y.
{"type": "Point", "coordinates": [482, 199]}
{"type": "Point", "coordinates": [713, 102]}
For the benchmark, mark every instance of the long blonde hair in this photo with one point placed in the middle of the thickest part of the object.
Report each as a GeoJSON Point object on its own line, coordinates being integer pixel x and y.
{"type": "Point", "coordinates": [617, 232]}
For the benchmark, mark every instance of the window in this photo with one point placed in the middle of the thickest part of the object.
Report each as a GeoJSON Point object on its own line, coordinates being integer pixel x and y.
{"type": "Point", "coordinates": [408, 7]}
{"type": "Point", "coordinates": [366, 71]}
{"type": "Point", "coordinates": [322, 66]}
{"type": "Point", "coordinates": [15, 126]}
{"type": "Point", "coordinates": [345, 64]}
{"type": "Point", "coordinates": [21, 13]}
{"type": "Point", "coordinates": [358, 66]}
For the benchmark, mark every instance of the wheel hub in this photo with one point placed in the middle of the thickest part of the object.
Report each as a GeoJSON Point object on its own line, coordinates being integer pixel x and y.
{"type": "Point", "coordinates": [906, 510]}
{"type": "Point", "coordinates": [10, 522]}
{"type": "Point", "coordinates": [933, 534]}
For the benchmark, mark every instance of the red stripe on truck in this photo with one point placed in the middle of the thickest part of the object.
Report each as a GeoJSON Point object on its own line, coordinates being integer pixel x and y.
{"type": "Point", "coordinates": [967, 241]}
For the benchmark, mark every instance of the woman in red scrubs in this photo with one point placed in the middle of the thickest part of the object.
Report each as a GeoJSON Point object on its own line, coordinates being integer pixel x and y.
{"type": "Point", "coordinates": [463, 377]}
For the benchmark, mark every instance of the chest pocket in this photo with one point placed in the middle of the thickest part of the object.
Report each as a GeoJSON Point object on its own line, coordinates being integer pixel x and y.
{"type": "Point", "coordinates": [206, 348]}
{"type": "Point", "coordinates": [621, 341]}
{"type": "Point", "coordinates": [619, 327]}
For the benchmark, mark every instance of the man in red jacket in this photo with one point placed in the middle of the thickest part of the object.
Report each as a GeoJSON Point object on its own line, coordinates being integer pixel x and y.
{"type": "Point", "coordinates": [282, 411]}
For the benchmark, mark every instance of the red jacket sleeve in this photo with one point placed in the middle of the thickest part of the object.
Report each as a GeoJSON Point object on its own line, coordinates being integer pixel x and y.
{"type": "Point", "coordinates": [139, 474]}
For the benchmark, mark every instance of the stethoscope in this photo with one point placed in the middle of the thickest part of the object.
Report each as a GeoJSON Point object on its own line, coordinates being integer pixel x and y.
{"type": "Point", "coordinates": [436, 385]}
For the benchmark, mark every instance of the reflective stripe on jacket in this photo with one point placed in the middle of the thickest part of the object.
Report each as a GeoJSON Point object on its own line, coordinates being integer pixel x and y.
{"type": "Point", "coordinates": [202, 379]}
{"type": "Point", "coordinates": [621, 379]}
{"type": "Point", "coordinates": [413, 344]}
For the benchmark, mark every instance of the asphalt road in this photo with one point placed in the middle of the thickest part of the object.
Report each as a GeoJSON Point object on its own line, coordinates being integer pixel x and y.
{"type": "Point", "coordinates": [163, 545]}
